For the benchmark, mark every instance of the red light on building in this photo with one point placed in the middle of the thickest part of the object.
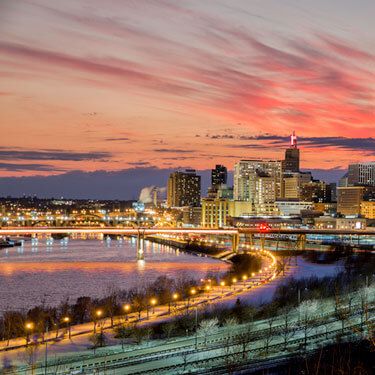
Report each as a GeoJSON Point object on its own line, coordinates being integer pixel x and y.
{"type": "Point", "coordinates": [293, 140]}
{"type": "Point", "coordinates": [264, 227]}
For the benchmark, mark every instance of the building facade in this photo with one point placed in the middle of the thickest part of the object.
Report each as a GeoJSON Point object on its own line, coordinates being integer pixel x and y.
{"type": "Point", "coordinates": [247, 174]}
{"type": "Point", "coordinates": [361, 174]}
{"type": "Point", "coordinates": [219, 176]}
{"type": "Point", "coordinates": [349, 200]}
{"type": "Point", "coordinates": [184, 189]}
{"type": "Point", "coordinates": [368, 209]}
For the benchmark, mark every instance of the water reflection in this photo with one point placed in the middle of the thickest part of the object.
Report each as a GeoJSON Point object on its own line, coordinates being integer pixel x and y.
{"type": "Point", "coordinates": [74, 268]}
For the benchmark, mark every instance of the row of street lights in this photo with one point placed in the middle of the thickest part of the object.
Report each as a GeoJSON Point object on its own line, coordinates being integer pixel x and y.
{"type": "Point", "coordinates": [29, 326]}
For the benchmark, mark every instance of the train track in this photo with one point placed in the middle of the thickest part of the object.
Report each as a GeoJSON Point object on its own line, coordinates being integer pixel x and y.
{"type": "Point", "coordinates": [187, 346]}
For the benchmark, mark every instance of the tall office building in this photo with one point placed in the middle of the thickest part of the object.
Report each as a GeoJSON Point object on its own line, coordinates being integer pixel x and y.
{"type": "Point", "coordinates": [246, 179]}
{"type": "Point", "coordinates": [219, 176]}
{"type": "Point", "coordinates": [184, 189]}
{"type": "Point", "coordinates": [361, 174]}
{"type": "Point", "coordinates": [349, 200]}
{"type": "Point", "coordinates": [291, 162]}
{"type": "Point", "coordinates": [293, 183]}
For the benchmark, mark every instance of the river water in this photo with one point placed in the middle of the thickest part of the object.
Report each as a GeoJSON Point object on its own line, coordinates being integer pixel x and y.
{"type": "Point", "coordinates": [51, 272]}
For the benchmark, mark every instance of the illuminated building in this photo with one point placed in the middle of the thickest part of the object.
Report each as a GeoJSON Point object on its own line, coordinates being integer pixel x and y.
{"type": "Point", "coordinates": [215, 212]}
{"type": "Point", "coordinates": [368, 209]}
{"type": "Point", "coordinates": [184, 189]}
{"type": "Point", "coordinates": [191, 216]}
{"type": "Point", "coordinates": [292, 184]}
{"type": "Point", "coordinates": [349, 200]}
{"type": "Point", "coordinates": [291, 162]}
{"type": "Point", "coordinates": [246, 173]}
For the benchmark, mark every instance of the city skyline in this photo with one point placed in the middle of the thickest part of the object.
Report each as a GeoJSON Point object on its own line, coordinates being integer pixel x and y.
{"type": "Point", "coordinates": [113, 90]}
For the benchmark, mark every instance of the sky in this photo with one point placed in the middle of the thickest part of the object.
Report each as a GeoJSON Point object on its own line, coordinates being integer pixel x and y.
{"type": "Point", "coordinates": [93, 88]}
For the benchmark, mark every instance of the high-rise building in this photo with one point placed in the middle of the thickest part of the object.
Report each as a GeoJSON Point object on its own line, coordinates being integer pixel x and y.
{"type": "Point", "coordinates": [291, 162]}
{"type": "Point", "coordinates": [246, 174]}
{"type": "Point", "coordinates": [219, 176]}
{"type": "Point", "coordinates": [361, 174]}
{"type": "Point", "coordinates": [184, 189]}
{"type": "Point", "coordinates": [293, 183]}
{"type": "Point", "coordinates": [349, 200]}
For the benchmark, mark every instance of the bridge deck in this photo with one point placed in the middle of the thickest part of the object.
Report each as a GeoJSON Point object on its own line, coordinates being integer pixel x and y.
{"type": "Point", "coordinates": [148, 231]}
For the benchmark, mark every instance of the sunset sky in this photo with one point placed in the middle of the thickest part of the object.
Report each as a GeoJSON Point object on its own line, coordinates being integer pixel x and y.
{"type": "Point", "coordinates": [160, 84]}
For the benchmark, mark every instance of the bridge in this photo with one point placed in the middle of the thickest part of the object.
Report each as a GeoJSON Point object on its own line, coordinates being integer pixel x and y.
{"type": "Point", "coordinates": [235, 233]}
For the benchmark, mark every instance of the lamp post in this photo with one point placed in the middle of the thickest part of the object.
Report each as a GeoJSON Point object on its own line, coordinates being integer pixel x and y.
{"type": "Point", "coordinates": [67, 321]}
{"type": "Point", "coordinates": [98, 314]}
{"type": "Point", "coordinates": [126, 309]}
{"type": "Point", "coordinates": [222, 284]}
{"type": "Point", "coordinates": [28, 327]}
{"type": "Point", "coordinates": [193, 291]}
{"type": "Point", "coordinates": [153, 302]}
{"type": "Point", "coordinates": [174, 298]}
{"type": "Point", "coordinates": [46, 352]}
{"type": "Point", "coordinates": [244, 278]}
{"type": "Point", "coordinates": [234, 280]}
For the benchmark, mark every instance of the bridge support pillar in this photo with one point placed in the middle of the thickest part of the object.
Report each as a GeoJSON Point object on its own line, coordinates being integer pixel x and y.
{"type": "Point", "coordinates": [235, 242]}
{"type": "Point", "coordinates": [301, 241]}
{"type": "Point", "coordinates": [262, 241]}
{"type": "Point", "coordinates": [140, 246]}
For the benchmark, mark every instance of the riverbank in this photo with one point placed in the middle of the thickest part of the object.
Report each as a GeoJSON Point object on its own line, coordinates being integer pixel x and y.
{"type": "Point", "coordinates": [142, 310]}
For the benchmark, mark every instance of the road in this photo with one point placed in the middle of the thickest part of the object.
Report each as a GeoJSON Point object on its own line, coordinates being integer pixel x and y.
{"type": "Point", "coordinates": [157, 314]}
{"type": "Point", "coordinates": [236, 343]}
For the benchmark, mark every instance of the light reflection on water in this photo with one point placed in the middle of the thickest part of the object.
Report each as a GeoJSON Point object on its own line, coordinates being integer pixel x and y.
{"type": "Point", "coordinates": [53, 272]}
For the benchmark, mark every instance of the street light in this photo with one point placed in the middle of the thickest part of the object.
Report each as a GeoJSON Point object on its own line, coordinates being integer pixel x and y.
{"type": "Point", "coordinates": [153, 302]}
{"type": "Point", "coordinates": [126, 309]}
{"type": "Point", "coordinates": [29, 327]}
{"type": "Point", "coordinates": [174, 298]}
{"type": "Point", "coordinates": [234, 280]}
{"type": "Point", "coordinates": [222, 283]}
{"type": "Point", "coordinates": [66, 320]}
{"type": "Point", "coordinates": [244, 278]}
{"type": "Point", "coordinates": [98, 314]}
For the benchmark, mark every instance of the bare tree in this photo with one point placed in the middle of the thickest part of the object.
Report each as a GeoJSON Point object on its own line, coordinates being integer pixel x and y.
{"type": "Point", "coordinates": [111, 302]}
{"type": "Point", "coordinates": [288, 326]}
{"type": "Point", "coordinates": [30, 356]}
{"type": "Point", "coordinates": [185, 355]}
{"type": "Point", "coordinates": [244, 340]}
{"type": "Point", "coordinates": [307, 312]}
{"type": "Point", "coordinates": [268, 335]}
{"type": "Point", "coordinates": [231, 356]}
{"type": "Point", "coordinates": [207, 327]}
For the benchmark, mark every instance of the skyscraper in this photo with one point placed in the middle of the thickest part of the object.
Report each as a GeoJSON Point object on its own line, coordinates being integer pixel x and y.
{"type": "Point", "coordinates": [291, 162]}
{"type": "Point", "coordinates": [219, 176]}
{"type": "Point", "coordinates": [184, 189]}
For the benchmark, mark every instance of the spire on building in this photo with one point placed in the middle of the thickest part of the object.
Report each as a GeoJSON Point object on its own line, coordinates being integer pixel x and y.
{"type": "Point", "coordinates": [293, 140]}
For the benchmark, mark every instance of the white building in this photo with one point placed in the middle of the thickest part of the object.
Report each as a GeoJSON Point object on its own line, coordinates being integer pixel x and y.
{"type": "Point", "coordinates": [247, 174]}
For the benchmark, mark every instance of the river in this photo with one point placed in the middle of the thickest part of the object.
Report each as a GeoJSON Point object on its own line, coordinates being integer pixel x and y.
{"type": "Point", "coordinates": [51, 272]}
